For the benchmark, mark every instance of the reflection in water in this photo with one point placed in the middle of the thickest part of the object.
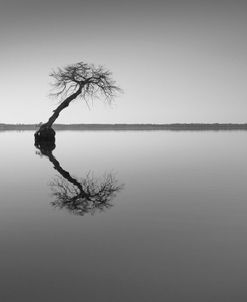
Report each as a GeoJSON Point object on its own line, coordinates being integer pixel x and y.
{"type": "Point", "coordinates": [79, 196]}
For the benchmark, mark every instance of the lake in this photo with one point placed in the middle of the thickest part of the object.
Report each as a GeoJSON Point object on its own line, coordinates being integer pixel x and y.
{"type": "Point", "coordinates": [166, 219]}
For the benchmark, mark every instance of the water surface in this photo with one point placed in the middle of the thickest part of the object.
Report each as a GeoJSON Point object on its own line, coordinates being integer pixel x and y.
{"type": "Point", "coordinates": [176, 231]}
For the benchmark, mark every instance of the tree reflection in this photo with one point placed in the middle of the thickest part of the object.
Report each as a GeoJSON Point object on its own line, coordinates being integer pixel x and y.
{"type": "Point", "coordinates": [79, 196]}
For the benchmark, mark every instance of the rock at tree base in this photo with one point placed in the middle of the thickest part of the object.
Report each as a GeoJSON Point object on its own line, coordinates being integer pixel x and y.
{"type": "Point", "coordinates": [45, 135]}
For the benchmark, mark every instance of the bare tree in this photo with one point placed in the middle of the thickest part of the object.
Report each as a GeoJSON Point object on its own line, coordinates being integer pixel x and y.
{"type": "Point", "coordinates": [74, 81]}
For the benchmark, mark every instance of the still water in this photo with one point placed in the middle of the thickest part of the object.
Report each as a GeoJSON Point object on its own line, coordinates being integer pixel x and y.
{"type": "Point", "coordinates": [171, 227]}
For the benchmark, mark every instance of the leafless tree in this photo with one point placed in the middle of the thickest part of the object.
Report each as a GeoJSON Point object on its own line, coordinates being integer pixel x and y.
{"type": "Point", "coordinates": [78, 81]}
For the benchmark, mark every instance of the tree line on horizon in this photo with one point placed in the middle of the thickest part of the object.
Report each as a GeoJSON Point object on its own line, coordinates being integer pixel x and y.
{"type": "Point", "coordinates": [173, 126]}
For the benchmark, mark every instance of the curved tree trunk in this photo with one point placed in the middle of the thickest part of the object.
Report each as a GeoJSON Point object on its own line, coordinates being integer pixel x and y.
{"type": "Point", "coordinates": [45, 132]}
{"type": "Point", "coordinates": [63, 105]}
{"type": "Point", "coordinates": [47, 151]}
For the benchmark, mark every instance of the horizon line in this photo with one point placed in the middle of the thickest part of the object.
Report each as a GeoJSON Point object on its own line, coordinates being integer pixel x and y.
{"type": "Point", "coordinates": [120, 124]}
{"type": "Point", "coordinates": [129, 127]}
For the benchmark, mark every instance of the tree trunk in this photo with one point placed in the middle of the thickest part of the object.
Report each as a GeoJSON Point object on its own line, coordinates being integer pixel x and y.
{"type": "Point", "coordinates": [46, 150]}
{"type": "Point", "coordinates": [63, 105]}
{"type": "Point", "coordinates": [45, 132]}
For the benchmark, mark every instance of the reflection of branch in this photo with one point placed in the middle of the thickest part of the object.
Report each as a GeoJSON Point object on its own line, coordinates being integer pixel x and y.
{"type": "Point", "coordinates": [98, 194]}
{"type": "Point", "coordinates": [80, 196]}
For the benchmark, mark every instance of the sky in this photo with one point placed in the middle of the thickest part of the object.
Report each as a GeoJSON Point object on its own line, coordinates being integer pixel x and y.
{"type": "Point", "coordinates": [176, 60]}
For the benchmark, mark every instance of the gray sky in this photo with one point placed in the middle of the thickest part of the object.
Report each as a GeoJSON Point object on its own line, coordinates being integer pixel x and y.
{"type": "Point", "coordinates": [177, 61]}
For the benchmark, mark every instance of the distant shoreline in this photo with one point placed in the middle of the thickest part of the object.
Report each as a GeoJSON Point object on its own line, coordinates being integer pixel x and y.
{"type": "Point", "coordinates": [129, 127]}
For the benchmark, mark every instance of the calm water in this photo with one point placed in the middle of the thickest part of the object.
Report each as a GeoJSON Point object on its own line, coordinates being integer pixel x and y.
{"type": "Point", "coordinates": [176, 230]}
